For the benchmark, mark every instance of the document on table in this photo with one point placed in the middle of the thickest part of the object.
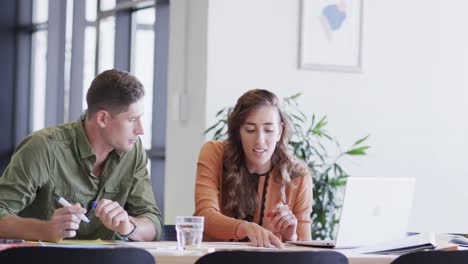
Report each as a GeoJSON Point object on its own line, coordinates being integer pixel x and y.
{"type": "Point", "coordinates": [206, 247]}
{"type": "Point", "coordinates": [412, 243]}
{"type": "Point", "coordinates": [69, 243]}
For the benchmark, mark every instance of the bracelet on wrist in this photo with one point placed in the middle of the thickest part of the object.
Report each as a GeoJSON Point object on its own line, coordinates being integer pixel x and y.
{"type": "Point", "coordinates": [126, 236]}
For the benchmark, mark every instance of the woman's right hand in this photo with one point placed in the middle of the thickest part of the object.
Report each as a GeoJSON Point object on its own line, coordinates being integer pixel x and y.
{"type": "Point", "coordinates": [258, 235]}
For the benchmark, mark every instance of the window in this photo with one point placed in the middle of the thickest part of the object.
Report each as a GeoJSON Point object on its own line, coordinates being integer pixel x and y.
{"type": "Point", "coordinates": [89, 65]}
{"type": "Point", "coordinates": [38, 58]}
{"type": "Point", "coordinates": [143, 62]}
{"type": "Point", "coordinates": [85, 38]}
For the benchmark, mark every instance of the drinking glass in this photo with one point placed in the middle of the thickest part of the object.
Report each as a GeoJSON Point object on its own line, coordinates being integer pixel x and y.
{"type": "Point", "coordinates": [189, 231]}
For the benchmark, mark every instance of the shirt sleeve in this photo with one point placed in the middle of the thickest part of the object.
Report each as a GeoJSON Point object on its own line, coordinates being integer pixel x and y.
{"type": "Point", "coordinates": [303, 208]}
{"type": "Point", "coordinates": [141, 201]}
{"type": "Point", "coordinates": [207, 193]}
{"type": "Point", "coordinates": [26, 173]}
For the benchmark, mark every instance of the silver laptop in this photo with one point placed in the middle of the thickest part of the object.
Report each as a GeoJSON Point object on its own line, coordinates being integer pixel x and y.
{"type": "Point", "coordinates": [375, 210]}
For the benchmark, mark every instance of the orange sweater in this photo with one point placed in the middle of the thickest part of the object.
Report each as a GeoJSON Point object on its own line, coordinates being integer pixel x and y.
{"type": "Point", "coordinates": [208, 197]}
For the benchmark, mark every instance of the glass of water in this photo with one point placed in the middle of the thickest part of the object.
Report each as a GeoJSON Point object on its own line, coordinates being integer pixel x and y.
{"type": "Point", "coordinates": [189, 231]}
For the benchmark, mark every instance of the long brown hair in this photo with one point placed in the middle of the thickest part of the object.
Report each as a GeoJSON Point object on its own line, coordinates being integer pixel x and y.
{"type": "Point", "coordinates": [239, 195]}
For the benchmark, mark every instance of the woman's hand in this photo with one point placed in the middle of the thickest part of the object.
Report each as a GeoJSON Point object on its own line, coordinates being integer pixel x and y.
{"type": "Point", "coordinates": [284, 222]}
{"type": "Point", "coordinates": [258, 235]}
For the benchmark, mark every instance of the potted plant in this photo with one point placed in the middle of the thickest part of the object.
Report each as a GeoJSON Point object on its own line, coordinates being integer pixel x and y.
{"type": "Point", "coordinates": [311, 143]}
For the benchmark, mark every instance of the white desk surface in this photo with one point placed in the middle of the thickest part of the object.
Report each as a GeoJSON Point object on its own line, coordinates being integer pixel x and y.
{"type": "Point", "coordinates": [165, 252]}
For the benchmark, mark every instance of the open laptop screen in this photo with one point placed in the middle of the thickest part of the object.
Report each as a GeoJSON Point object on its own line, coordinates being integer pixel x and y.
{"type": "Point", "coordinates": [375, 210]}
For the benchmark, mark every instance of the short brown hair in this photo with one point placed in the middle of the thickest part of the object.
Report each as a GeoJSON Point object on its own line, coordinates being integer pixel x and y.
{"type": "Point", "coordinates": [113, 91]}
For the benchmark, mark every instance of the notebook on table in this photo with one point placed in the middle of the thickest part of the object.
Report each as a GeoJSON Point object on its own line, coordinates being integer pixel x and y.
{"type": "Point", "coordinates": [375, 210]}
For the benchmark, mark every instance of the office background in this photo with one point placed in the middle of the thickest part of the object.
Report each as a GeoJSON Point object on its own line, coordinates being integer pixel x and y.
{"type": "Point", "coordinates": [410, 96]}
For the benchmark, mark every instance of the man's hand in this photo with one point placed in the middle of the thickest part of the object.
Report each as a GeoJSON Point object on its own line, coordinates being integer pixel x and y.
{"type": "Point", "coordinates": [113, 216]}
{"type": "Point", "coordinates": [64, 223]}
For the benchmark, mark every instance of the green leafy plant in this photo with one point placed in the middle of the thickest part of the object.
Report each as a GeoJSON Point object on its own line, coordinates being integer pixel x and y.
{"type": "Point", "coordinates": [311, 143]}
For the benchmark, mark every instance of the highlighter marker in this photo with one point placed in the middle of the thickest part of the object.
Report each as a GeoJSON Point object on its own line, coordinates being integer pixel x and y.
{"type": "Point", "coordinates": [64, 202]}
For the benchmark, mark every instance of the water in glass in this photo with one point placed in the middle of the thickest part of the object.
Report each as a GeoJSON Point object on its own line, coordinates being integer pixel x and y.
{"type": "Point", "coordinates": [189, 232]}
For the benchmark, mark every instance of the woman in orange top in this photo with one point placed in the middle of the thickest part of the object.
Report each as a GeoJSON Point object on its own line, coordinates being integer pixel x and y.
{"type": "Point", "coordinates": [251, 186]}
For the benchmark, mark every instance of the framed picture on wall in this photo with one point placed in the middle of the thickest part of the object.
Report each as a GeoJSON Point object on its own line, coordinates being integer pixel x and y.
{"type": "Point", "coordinates": [330, 35]}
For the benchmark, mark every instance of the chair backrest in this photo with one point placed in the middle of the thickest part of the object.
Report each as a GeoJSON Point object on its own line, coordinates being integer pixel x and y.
{"type": "Point", "coordinates": [169, 233]}
{"type": "Point", "coordinates": [60, 255]}
{"type": "Point", "coordinates": [273, 257]}
{"type": "Point", "coordinates": [433, 257]}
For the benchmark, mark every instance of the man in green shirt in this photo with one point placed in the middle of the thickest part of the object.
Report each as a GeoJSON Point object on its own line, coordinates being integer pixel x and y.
{"type": "Point", "coordinates": [97, 163]}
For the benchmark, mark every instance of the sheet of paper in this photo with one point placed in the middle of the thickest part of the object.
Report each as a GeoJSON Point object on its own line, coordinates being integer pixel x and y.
{"type": "Point", "coordinates": [69, 243]}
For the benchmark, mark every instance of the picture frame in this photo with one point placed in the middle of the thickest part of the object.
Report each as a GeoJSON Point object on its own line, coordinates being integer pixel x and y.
{"type": "Point", "coordinates": [331, 35]}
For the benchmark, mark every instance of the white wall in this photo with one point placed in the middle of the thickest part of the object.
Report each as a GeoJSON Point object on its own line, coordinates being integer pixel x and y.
{"type": "Point", "coordinates": [409, 98]}
{"type": "Point", "coordinates": [186, 118]}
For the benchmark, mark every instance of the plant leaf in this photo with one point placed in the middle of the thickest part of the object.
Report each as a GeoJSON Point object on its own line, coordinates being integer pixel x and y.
{"type": "Point", "coordinates": [358, 151]}
{"type": "Point", "coordinates": [295, 96]}
{"type": "Point", "coordinates": [212, 127]}
{"type": "Point", "coordinates": [220, 112]}
{"type": "Point", "coordinates": [294, 116]}
{"type": "Point", "coordinates": [361, 140]}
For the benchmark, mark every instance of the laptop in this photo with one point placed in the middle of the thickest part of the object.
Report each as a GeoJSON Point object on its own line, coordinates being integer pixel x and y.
{"type": "Point", "coordinates": [375, 210]}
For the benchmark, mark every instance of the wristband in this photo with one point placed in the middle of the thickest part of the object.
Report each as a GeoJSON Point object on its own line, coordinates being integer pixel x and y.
{"type": "Point", "coordinates": [126, 237]}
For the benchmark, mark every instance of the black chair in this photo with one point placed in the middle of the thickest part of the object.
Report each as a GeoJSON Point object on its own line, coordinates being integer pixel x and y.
{"type": "Point", "coordinates": [60, 255]}
{"type": "Point", "coordinates": [433, 257]}
{"type": "Point", "coordinates": [169, 233]}
{"type": "Point", "coordinates": [273, 257]}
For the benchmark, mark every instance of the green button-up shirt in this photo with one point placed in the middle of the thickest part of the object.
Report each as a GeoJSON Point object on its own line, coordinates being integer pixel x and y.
{"type": "Point", "coordinates": [58, 161]}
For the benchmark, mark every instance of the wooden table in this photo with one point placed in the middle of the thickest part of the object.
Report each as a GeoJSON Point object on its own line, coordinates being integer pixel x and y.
{"type": "Point", "coordinates": [165, 252]}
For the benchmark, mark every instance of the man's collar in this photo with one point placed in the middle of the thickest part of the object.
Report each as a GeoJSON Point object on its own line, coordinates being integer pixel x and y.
{"type": "Point", "coordinates": [84, 147]}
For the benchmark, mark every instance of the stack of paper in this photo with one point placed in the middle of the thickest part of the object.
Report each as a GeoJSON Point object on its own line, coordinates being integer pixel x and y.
{"type": "Point", "coordinates": [408, 244]}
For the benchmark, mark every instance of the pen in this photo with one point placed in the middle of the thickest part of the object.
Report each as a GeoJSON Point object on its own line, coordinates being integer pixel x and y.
{"type": "Point", "coordinates": [271, 214]}
{"type": "Point", "coordinates": [11, 241]}
{"type": "Point", "coordinates": [64, 202]}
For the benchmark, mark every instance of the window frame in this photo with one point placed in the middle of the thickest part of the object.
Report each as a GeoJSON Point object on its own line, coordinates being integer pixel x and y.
{"type": "Point", "coordinates": [55, 69]}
